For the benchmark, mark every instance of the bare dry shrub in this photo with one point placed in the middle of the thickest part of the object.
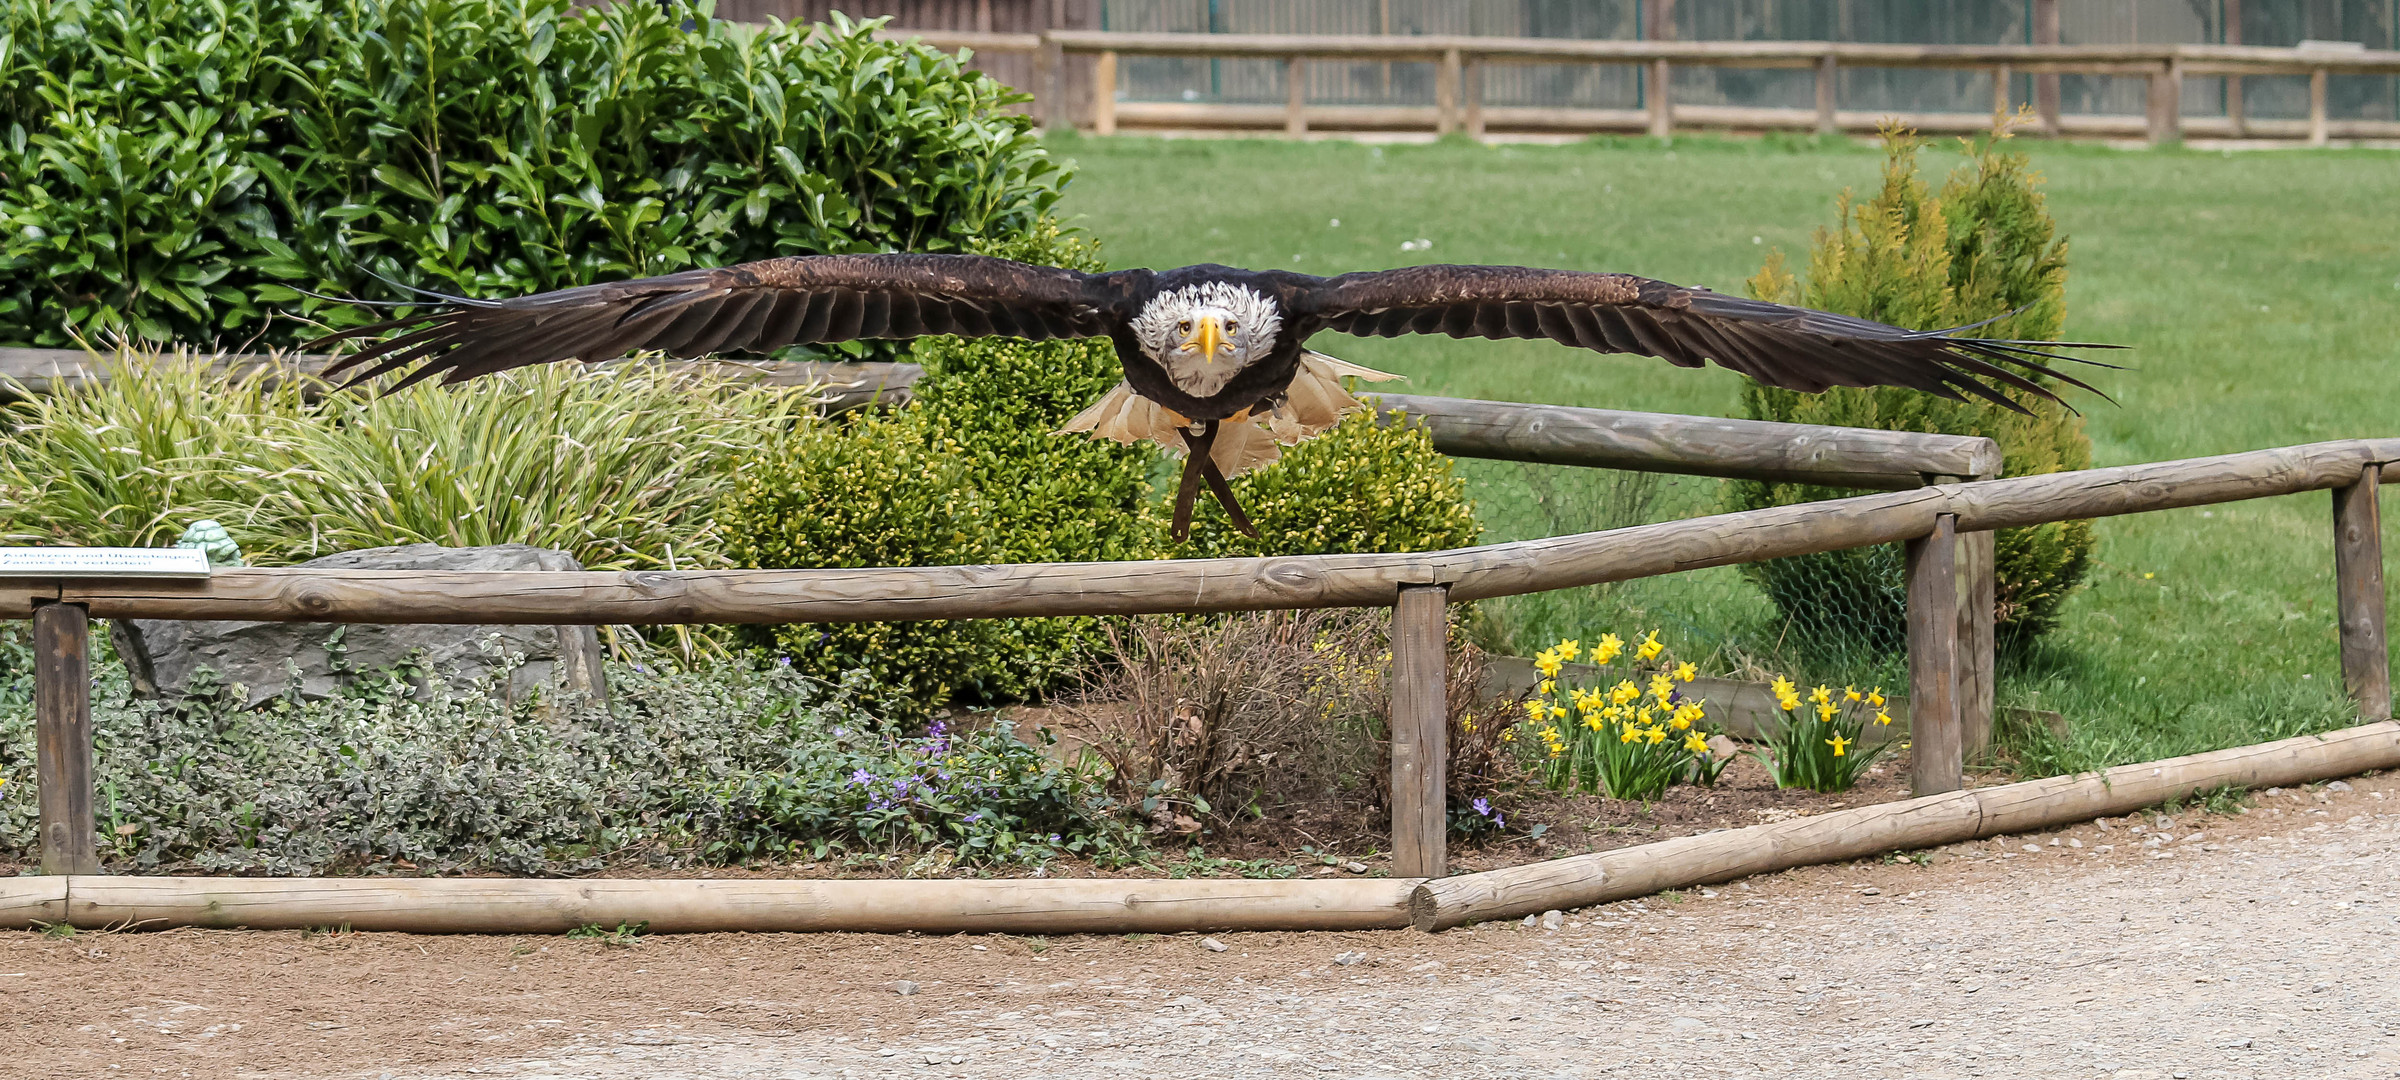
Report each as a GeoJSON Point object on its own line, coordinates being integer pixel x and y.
{"type": "Point", "coordinates": [1272, 713]}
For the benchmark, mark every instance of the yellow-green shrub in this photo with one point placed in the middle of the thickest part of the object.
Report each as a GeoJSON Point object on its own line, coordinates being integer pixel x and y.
{"type": "Point", "coordinates": [1985, 246]}
{"type": "Point", "coordinates": [968, 473]}
{"type": "Point", "coordinates": [1361, 487]}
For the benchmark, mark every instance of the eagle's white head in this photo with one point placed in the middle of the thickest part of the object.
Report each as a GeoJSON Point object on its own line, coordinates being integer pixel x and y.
{"type": "Point", "coordinates": [1205, 334]}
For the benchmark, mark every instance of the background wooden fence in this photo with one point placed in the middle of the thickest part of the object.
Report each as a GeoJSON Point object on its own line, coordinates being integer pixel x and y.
{"type": "Point", "coordinates": [1464, 65]}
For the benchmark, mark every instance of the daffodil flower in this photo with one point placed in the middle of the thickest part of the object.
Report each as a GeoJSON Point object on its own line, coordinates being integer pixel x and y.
{"type": "Point", "coordinates": [1850, 693]}
{"type": "Point", "coordinates": [1882, 717]}
{"type": "Point", "coordinates": [1608, 650]}
{"type": "Point", "coordinates": [1685, 672]}
{"type": "Point", "coordinates": [1875, 697]}
{"type": "Point", "coordinates": [1825, 713]}
{"type": "Point", "coordinates": [1840, 745]}
{"type": "Point", "coordinates": [1649, 648]}
{"type": "Point", "coordinates": [1548, 686]}
{"type": "Point", "coordinates": [1569, 649]}
{"type": "Point", "coordinates": [1695, 743]}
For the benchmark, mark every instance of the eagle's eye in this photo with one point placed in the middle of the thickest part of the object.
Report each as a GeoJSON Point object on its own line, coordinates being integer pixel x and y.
{"type": "Point", "coordinates": [1184, 327]}
{"type": "Point", "coordinates": [1231, 326]}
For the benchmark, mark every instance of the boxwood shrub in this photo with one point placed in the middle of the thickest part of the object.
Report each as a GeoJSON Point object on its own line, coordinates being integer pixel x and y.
{"type": "Point", "coordinates": [173, 170]}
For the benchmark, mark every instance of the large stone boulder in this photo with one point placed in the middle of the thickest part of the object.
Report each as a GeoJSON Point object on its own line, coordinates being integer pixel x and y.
{"type": "Point", "coordinates": [161, 655]}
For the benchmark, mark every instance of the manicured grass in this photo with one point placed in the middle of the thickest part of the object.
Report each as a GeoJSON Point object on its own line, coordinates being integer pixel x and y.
{"type": "Point", "coordinates": [2260, 291]}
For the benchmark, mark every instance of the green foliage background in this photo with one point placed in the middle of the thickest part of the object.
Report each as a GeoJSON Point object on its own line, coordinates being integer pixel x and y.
{"type": "Point", "coordinates": [171, 170]}
{"type": "Point", "coordinates": [1984, 246]}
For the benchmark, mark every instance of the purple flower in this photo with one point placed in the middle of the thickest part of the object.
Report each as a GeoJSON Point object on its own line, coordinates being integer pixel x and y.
{"type": "Point", "coordinates": [1499, 822]}
{"type": "Point", "coordinates": [862, 777]}
{"type": "Point", "coordinates": [1483, 807]}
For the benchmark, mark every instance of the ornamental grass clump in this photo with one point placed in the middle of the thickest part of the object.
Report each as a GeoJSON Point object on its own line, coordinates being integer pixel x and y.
{"type": "Point", "coordinates": [1630, 738]}
{"type": "Point", "coordinates": [1819, 743]}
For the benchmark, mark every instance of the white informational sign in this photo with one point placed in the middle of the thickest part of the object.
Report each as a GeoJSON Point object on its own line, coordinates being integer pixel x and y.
{"type": "Point", "coordinates": [73, 562]}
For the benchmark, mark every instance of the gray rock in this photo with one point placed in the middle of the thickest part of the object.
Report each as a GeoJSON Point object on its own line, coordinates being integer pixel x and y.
{"type": "Point", "coordinates": [1349, 959]}
{"type": "Point", "coordinates": [1212, 944]}
{"type": "Point", "coordinates": [162, 655]}
{"type": "Point", "coordinates": [904, 988]}
{"type": "Point", "coordinates": [1553, 919]}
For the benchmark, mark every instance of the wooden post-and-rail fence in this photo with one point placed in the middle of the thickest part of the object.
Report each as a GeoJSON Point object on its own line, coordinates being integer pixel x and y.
{"type": "Point", "coordinates": [1460, 63]}
{"type": "Point", "coordinates": [1416, 585]}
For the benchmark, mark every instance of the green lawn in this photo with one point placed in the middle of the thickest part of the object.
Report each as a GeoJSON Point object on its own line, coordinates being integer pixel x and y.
{"type": "Point", "coordinates": [2260, 291]}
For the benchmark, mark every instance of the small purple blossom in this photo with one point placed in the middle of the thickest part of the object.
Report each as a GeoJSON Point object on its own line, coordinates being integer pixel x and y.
{"type": "Point", "coordinates": [1499, 822]}
{"type": "Point", "coordinates": [862, 777]}
{"type": "Point", "coordinates": [1483, 807]}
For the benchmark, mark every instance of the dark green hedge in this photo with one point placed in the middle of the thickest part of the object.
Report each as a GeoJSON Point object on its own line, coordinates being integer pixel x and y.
{"type": "Point", "coordinates": [172, 168]}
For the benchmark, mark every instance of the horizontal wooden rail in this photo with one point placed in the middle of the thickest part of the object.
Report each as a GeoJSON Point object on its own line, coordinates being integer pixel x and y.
{"type": "Point", "coordinates": [1696, 445]}
{"type": "Point", "coordinates": [2021, 59]}
{"type": "Point", "coordinates": [1203, 585]}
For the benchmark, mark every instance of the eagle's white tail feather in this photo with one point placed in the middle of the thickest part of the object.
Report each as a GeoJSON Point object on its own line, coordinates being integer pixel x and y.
{"type": "Point", "coordinates": [1317, 400]}
{"type": "Point", "coordinates": [1128, 418]}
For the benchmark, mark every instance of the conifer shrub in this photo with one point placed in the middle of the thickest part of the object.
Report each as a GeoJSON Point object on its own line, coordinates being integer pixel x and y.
{"type": "Point", "coordinates": [1984, 246]}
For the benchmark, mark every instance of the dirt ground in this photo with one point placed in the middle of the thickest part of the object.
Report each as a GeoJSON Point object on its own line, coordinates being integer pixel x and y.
{"type": "Point", "coordinates": [2260, 945]}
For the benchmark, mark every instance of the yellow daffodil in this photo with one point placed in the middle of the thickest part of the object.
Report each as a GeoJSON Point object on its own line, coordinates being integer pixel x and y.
{"type": "Point", "coordinates": [1685, 672]}
{"type": "Point", "coordinates": [1850, 693]}
{"type": "Point", "coordinates": [1882, 717]}
{"type": "Point", "coordinates": [1548, 663]}
{"type": "Point", "coordinates": [1547, 686]}
{"type": "Point", "coordinates": [1556, 712]}
{"type": "Point", "coordinates": [1508, 734]}
{"type": "Point", "coordinates": [1662, 687]}
{"type": "Point", "coordinates": [1656, 735]}
{"type": "Point", "coordinates": [1610, 647]}
{"type": "Point", "coordinates": [1825, 713]}
{"type": "Point", "coordinates": [1783, 687]}
{"type": "Point", "coordinates": [1875, 697]}
{"type": "Point", "coordinates": [1821, 695]}
{"type": "Point", "coordinates": [1695, 743]}
{"type": "Point", "coordinates": [1570, 649]}
{"type": "Point", "coordinates": [1840, 745]}
{"type": "Point", "coordinates": [1649, 648]}
{"type": "Point", "coordinates": [1624, 693]}
{"type": "Point", "coordinates": [1631, 733]}
{"type": "Point", "coordinates": [1537, 709]}
{"type": "Point", "coordinates": [1647, 715]}
{"type": "Point", "coordinates": [1595, 723]}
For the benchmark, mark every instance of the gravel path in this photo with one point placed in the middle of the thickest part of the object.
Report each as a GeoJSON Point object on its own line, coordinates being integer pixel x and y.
{"type": "Point", "coordinates": [2263, 945]}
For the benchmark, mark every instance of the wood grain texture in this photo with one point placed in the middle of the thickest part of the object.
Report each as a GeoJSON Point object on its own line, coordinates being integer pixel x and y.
{"type": "Point", "coordinates": [62, 738]}
{"type": "Point", "coordinates": [1978, 641]}
{"type": "Point", "coordinates": [521, 906]}
{"type": "Point", "coordinates": [2359, 595]}
{"type": "Point", "coordinates": [1935, 764]}
{"type": "Point", "coordinates": [1693, 445]}
{"type": "Point", "coordinates": [1930, 821]}
{"type": "Point", "coordinates": [1203, 585]}
{"type": "Point", "coordinates": [30, 902]}
{"type": "Point", "coordinates": [1420, 732]}
{"type": "Point", "coordinates": [1189, 115]}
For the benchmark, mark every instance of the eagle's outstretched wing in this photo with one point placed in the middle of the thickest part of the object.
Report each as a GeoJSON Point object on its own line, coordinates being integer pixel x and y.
{"type": "Point", "coordinates": [1790, 347]}
{"type": "Point", "coordinates": [757, 307]}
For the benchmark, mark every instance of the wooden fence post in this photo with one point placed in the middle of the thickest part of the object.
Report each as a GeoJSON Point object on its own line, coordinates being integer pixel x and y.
{"type": "Point", "coordinates": [1420, 731]}
{"type": "Point", "coordinates": [1050, 85]}
{"type": "Point", "coordinates": [1933, 724]}
{"type": "Point", "coordinates": [1662, 101]}
{"type": "Point", "coordinates": [1445, 93]}
{"type": "Point", "coordinates": [62, 737]}
{"type": "Point", "coordinates": [1828, 95]}
{"type": "Point", "coordinates": [1471, 84]}
{"type": "Point", "coordinates": [2317, 133]}
{"type": "Point", "coordinates": [2358, 590]}
{"type": "Point", "coordinates": [1295, 96]}
{"type": "Point", "coordinates": [2166, 103]}
{"type": "Point", "coordinates": [1104, 94]}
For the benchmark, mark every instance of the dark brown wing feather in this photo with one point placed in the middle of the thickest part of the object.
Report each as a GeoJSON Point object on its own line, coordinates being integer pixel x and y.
{"type": "Point", "coordinates": [1784, 346]}
{"type": "Point", "coordinates": [753, 307]}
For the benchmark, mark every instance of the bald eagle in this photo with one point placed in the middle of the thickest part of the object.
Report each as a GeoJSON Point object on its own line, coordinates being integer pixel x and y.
{"type": "Point", "coordinates": [1216, 362]}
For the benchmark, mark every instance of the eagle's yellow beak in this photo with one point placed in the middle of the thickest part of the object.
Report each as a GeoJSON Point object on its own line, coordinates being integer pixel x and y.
{"type": "Point", "coordinates": [1208, 335]}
